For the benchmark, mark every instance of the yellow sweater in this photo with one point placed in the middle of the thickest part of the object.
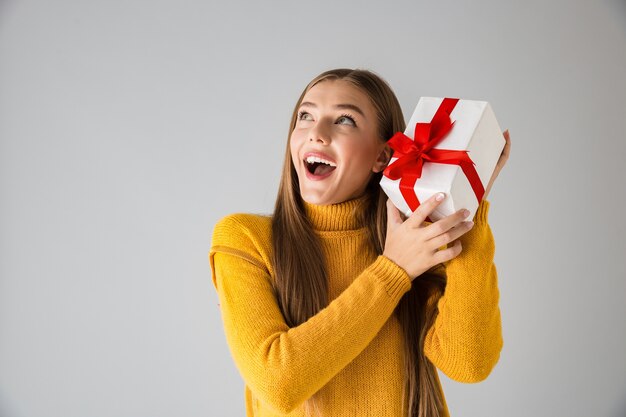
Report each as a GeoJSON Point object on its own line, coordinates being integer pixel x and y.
{"type": "Point", "coordinates": [352, 350]}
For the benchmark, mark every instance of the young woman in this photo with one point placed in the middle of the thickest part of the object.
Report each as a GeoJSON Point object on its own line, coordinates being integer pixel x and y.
{"type": "Point", "coordinates": [338, 306]}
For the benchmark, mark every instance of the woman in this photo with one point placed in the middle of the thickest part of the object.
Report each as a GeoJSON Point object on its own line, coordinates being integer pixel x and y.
{"type": "Point", "coordinates": [335, 304]}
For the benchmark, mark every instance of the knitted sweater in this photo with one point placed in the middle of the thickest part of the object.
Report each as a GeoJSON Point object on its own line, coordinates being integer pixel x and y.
{"type": "Point", "coordinates": [352, 350]}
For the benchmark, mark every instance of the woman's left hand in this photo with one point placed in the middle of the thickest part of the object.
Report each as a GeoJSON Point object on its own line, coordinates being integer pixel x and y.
{"type": "Point", "coordinates": [503, 158]}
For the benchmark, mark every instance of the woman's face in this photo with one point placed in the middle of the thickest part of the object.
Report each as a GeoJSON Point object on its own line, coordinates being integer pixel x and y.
{"type": "Point", "coordinates": [334, 146]}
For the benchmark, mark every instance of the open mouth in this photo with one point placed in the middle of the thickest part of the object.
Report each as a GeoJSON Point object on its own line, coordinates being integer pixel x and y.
{"type": "Point", "coordinates": [319, 168]}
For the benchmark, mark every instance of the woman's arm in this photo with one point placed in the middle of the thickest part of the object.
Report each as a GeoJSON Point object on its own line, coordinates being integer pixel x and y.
{"type": "Point", "coordinates": [285, 366]}
{"type": "Point", "coordinates": [466, 339]}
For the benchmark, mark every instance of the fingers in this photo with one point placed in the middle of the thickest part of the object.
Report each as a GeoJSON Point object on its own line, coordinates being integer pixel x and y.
{"type": "Point", "coordinates": [446, 254]}
{"type": "Point", "coordinates": [419, 216]}
{"type": "Point", "coordinates": [442, 226]}
{"type": "Point", "coordinates": [451, 234]}
{"type": "Point", "coordinates": [507, 145]}
{"type": "Point", "coordinates": [504, 155]}
{"type": "Point", "coordinates": [393, 216]}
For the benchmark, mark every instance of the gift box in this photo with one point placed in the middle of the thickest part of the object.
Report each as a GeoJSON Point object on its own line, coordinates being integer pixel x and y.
{"type": "Point", "coordinates": [450, 145]}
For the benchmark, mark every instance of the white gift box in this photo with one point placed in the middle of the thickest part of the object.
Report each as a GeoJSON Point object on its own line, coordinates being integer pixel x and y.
{"type": "Point", "coordinates": [476, 130]}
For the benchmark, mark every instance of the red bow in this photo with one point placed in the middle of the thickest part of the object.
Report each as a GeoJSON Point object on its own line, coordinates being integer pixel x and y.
{"type": "Point", "coordinates": [412, 153]}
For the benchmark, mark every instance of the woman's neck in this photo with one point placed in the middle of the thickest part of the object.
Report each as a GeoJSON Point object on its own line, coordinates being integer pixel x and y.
{"type": "Point", "coordinates": [337, 217]}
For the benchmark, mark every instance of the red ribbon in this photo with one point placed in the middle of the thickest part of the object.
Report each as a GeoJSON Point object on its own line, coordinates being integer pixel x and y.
{"type": "Point", "coordinates": [412, 153]}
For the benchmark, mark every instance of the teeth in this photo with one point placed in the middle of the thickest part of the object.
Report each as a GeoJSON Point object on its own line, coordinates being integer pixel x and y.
{"type": "Point", "coordinates": [312, 159]}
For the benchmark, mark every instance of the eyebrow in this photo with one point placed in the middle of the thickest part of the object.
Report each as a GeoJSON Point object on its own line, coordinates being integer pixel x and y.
{"type": "Point", "coordinates": [338, 106]}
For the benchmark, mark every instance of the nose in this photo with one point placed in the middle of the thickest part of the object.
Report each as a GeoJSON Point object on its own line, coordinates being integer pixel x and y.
{"type": "Point", "coordinates": [319, 133]}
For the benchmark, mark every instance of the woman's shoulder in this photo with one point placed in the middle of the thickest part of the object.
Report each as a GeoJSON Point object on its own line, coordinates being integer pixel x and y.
{"type": "Point", "coordinates": [246, 232]}
{"type": "Point", "coordinates": [244, 220]}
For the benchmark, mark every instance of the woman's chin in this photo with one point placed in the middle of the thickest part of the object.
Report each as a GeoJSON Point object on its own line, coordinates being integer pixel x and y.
{"type": "Point", "coordinates": [318, 201]}
{"type": "Point", "coordinates": [321, 198]}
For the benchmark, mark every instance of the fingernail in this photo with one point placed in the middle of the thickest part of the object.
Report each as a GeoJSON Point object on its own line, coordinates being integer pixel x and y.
{"type": "Point", "coordinates": [465, 212]}
{"type": "Point", "coordinates": [440, 196]}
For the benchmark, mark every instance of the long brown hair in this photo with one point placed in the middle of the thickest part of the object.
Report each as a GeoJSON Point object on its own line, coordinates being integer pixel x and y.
{"type": "Point", "coordinates": [300, 281]}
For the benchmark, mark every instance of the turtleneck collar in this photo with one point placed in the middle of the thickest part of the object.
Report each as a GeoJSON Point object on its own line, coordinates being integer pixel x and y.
{"type": "Point", "coordinates": [336, 217]}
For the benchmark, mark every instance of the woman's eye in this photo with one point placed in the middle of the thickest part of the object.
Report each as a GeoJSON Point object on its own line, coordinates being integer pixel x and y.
{"type": "Point", "coordinates": [348, 118]}
{"type": "Point", "coordinates": [302, 115]}
{"type": "Point", "coordinates": [345, 118]}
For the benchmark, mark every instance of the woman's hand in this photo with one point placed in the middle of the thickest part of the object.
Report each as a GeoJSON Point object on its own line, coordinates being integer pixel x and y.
{"type": "Point", "coordinates": [415, 247]}
{"type": "Point", "coordinates": [504, 156]}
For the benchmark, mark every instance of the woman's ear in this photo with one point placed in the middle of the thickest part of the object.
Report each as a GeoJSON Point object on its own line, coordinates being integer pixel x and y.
{"type": "Point", "coordinates": [383, 159]}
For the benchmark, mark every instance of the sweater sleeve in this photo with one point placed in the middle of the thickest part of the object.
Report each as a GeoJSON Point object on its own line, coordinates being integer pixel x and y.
{"type": "Point", "coordinates": [465, 340]}
{"type": "Point", "coordinates": [285, 366]}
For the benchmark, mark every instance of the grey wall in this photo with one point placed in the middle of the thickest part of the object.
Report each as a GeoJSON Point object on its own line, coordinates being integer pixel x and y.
{"type": "Point", "coordinates": [128, 128]}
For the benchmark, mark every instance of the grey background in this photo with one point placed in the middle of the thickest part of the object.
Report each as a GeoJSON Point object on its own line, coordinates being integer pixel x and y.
{"type": "Point", "coordinates": [127, 129]}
